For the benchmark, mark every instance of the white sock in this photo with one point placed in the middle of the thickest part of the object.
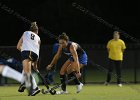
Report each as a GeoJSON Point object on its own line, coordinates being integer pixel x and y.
{"type": "Point", "coordinates": [34, 82]}
{"type": "Point", "coordinates": [27, 78]}
{"type": "Point", "coordinates": [11, 73]}
{"type": "Point", "coordinates": [23, 79]}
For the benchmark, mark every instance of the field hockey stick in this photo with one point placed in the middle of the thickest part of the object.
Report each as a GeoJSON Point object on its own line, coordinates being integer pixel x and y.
{"type": "Point", "coordinates": [59, 85]}
{"type": "Point", "coordinates": [51, 91]}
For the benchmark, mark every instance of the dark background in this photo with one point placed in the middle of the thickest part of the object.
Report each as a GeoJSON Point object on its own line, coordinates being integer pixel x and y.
{"type": "Point", "coordinates": [59, 16]}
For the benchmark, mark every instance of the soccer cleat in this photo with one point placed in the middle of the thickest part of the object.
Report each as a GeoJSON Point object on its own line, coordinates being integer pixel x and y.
{"type": "Point", "coordinates": [35, 91]}
{"type": "Point", "coordinates": [79, 87]}
{"type": "Point", "coordinates": [21, 88]}
{"type": "Point", "coordinates": [30, 90]}
{"type": "Point", "coordinates": [62, 92]}
{"type": "Point", "coordinates": [120, 85]}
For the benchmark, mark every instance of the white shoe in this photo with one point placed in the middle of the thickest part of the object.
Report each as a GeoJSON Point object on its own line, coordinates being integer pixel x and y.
{"type": "Point", "coordinates": [79, 87]}
{"type": "Point", "coordinates": [62, 92]}
{"type": "Point", "coordinates": [120, 85]}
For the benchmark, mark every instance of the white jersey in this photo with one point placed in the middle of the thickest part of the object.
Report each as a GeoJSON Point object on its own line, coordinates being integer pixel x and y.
{"type": "Point", "coordinates": [31, 42]}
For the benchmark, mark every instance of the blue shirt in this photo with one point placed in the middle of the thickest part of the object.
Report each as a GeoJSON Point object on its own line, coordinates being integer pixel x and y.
{"type": "Point", "coordinates": [55, 48]}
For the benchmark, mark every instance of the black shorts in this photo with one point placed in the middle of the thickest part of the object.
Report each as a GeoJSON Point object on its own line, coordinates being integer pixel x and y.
{"type": "Point", "coordinates": [29, 55]}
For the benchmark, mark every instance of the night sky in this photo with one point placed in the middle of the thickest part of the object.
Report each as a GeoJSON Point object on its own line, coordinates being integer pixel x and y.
{"type": "Point", "coordinates": [57, 16]}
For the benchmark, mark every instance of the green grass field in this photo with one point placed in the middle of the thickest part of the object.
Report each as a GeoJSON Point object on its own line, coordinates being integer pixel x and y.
{"type": "Point", "coordinates": [89, 92]}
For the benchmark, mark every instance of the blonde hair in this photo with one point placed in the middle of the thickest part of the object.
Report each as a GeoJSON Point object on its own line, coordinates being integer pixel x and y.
{"type": "Point", "coordinates": [34, 27]}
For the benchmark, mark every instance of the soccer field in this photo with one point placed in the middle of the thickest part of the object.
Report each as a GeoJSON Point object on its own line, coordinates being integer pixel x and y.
{"type": "Point", "coordinates": [89, 92]}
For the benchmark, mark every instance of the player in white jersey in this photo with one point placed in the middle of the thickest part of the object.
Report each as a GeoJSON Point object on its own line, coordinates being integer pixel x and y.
{"type": "Point", "coordinates": [31, 42]}
{"type": "Point", "coordinates": [29, 45]}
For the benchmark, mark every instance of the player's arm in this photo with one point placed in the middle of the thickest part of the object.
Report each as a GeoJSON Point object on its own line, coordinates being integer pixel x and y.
{"type": "Point", "coordinates": [75, 56]}
{"type": "Point", "coordinates": [123, 46]}
{"type": "Point", "coordinates": [55, 58]}
{"type": "Point", "coordinates": [19, 44]}
{"type": "Point", "coordinates": [108, 46]}
{"type": "Point", "coordinates": [108, 49]}
{"type": "Point", "coordinates": [39, 42]}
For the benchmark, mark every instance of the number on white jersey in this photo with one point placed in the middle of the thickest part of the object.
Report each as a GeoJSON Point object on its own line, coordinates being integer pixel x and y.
{"type": "Point", "coordinates": [32, 36]}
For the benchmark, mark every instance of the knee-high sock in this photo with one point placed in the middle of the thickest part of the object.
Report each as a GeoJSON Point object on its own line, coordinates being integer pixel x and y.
{"type": "Point", "coordinates": [28, 81]}
{"type": "Point", "coordinates": [34, 82]}
{"type": "Point", "coordinates": [11, 73]}
{"type": "Point", "coordinates": [63, 79]}
{"type": "Point", "coordinates": [23, 79]}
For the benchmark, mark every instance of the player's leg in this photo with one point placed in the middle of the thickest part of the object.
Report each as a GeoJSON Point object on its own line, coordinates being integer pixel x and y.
{"type": "Point", "coordinates": [36, 89]}
{"type": "Point", "coordinates": [109, 73]}
{"type": "Point", "coordinates": [72, 73]}
{"type": "Point", "coordinates": [63, 75]}
{"type": "Point", "coordinates": [27, 75]}
{"type": "Point", "coordinates": [22, 87]}
{"type": "Point", "coordinates": [29, 58]}
{"type": "Point", "coordinates": [6, 71]}
{"type": "Point", "coordinates": [72, 70]}
{"type": "Point", "coordinates": [118, 72]}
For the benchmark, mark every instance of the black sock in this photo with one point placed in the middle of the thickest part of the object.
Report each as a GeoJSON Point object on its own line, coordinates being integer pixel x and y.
{"type": "Point", "coordinates": [76, 80]}
{"type": "Point", "coordinates": [63, 79]}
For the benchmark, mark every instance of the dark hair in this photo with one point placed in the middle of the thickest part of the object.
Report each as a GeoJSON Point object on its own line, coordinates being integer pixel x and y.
{"type": "Point", "coordinates": [116, 32]}
{"type": "Point", "coordinates": [34, 27]}
{"type": "Point", "coordinates": [63, 36]}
